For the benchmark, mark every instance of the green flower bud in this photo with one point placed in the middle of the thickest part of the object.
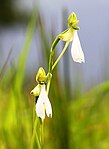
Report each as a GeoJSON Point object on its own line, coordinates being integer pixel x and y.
{"type": "Point", "coordinates": [36, 90]}
{"type": "Point", "coordinates": [41, 76]}
{"type": "Point", "coordinates": [72, 21]}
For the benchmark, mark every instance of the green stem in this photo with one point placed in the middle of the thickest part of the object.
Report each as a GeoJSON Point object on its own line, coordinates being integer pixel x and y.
{"type": "Point", "coordinates": [51, 62]}
{"type": "Point", "coordinates": [35, 136]}
{"type": "Point", "coordinates": [62, 53]}
{"type": "Point", "coordinates": [54, 65]}
{"type": "Point", "coordinates": [49, 81]}
{"type": "Point", "coordinates": [52, 53]}
{"type": "Point", "coordinates": [34, 112]}
{"type": "Point", "coordinates": [42, 134]}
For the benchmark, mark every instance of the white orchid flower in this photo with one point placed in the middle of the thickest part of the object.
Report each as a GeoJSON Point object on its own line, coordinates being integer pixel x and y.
{"type": "Point", "coordinates": [76, 50]}
{"type": "Point", "coordinates": [43, 104]}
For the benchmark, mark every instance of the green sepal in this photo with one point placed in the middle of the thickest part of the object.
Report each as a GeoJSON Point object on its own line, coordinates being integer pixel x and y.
{"type": "Point", "coordinates": [41, 76]}
{"type": "Point", "coordinates": [67, 35]}
{"type": "Point", "coordinates": [36, 91]}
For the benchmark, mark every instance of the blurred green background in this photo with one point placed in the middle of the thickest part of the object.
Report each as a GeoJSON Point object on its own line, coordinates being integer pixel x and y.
{"type": "Point", "coordinates": [79, 93]}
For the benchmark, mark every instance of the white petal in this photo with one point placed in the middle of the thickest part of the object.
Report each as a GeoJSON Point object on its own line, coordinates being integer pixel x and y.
{"type": "Point", "coordinates": [40, 110]}
{"type": "Point", "coordinates": [48, 107]}
{"type": "Point", "coordinates": [46, 101]}
{"type": "Point", "coordinates": [43, 104]}
{"type": "Point", "coordinates": [76, 50]}
{"type": "Point", "coordinates": [40, 105]}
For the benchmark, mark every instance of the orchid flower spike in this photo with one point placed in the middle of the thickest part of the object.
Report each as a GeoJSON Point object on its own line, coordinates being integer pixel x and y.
{"type": "Point", "coordinates": [76, 50]}
{"type": "Point", "coordinates": [43, 104]}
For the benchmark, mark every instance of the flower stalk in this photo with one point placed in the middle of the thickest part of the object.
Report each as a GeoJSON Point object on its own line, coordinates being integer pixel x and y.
{"type": "Point", "coordinates": [60, 56]}
{"type": "Point", "coordinates": [52, 53]}
{"type": "Point", "coordinates": [35, 136]}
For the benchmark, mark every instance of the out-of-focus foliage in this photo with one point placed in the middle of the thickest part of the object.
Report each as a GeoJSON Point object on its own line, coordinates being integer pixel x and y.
{"type": "Point", "coordinates": [77, 123]}
{"type": "Point", "coordinates": [9, 14]}
{"type": "Point", "coordinates": [15, 111]}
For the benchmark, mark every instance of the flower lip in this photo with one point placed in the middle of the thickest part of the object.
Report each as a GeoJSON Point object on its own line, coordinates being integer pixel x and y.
{"type": "Point", "coordinates": [43, 104]}
{"type": "Point", "coordinates": [76, 50]}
